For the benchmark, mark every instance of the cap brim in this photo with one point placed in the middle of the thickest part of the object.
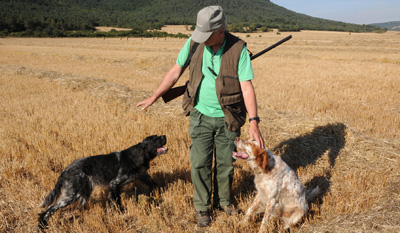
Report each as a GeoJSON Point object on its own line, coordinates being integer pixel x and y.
{"type": "Point", "coordinates": [200, 37]}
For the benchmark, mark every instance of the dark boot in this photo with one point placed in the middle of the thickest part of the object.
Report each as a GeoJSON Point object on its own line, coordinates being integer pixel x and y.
{"type": "Point", "coordinates": [203, 218]}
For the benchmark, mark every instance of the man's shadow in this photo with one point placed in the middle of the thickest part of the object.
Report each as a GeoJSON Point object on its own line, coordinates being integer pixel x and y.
{"type": "Point", "coordinates": [308, 148]}
{"type": "Point", "coordinates": [304, 150]}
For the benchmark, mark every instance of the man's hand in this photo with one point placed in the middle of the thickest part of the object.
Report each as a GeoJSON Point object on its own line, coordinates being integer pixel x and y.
{"type": "Point", "coordinates": [255, 134]}
{"type": "Point", "coordinates": [146, 103]}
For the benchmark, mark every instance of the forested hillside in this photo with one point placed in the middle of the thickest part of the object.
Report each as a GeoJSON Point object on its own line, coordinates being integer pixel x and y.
{"type": "Point", "coordinates": [80, 17]}
{"type": "Point", "coordinates": [392, 26]}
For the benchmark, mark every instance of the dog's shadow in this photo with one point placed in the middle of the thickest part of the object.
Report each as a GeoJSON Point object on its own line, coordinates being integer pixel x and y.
{"type": "Point", "coordinates": [304, 150]}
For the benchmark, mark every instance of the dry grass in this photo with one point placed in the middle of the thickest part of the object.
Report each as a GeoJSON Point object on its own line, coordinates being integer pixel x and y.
{"type": "Point", "coordinates": [329, 104]}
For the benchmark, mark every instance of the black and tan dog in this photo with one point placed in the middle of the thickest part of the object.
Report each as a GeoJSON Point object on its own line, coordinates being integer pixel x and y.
{"type": "Point", "coordinates": [113, 170]}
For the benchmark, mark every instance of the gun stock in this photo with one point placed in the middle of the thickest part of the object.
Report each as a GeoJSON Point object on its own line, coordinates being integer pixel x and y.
{"type": "Point", "coordinates": [174, 93]}
{"type": "Point", "coordinates": [178, 91]}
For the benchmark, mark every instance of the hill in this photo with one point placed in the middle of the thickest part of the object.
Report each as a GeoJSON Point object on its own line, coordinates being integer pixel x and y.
{"type": "Point", "coordinates": [391, 26]}
{"type": "Point", "coordinates": [64, 18]}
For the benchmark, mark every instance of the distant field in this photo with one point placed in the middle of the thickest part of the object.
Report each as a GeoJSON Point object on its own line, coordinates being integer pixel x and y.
{"type": "Point", "coordinates": [107, 29]}
{"type": "Point", "coordinates": [329, 104]}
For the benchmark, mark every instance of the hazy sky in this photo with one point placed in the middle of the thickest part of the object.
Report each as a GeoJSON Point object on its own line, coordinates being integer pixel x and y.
{"type": "Point", "coordinates": [349, 11]}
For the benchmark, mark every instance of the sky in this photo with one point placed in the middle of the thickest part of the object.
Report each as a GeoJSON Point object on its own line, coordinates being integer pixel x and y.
{"type": "Point", "coordinates": [348, 11]}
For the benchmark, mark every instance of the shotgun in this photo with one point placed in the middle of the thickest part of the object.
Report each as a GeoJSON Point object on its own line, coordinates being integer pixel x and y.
{"type": "Point", "coordinates": [178, 91]}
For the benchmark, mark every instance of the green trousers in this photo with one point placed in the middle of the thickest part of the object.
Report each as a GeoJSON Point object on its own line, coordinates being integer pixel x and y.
{"type": "Point", "coordinates": [210, 135]}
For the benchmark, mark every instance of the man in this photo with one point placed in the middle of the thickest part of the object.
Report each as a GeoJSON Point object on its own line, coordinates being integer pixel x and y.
{"type": "Point", "coordinates": [219, 94]}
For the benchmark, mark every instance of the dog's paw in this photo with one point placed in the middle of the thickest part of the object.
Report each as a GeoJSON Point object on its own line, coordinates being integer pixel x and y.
{"type": "Point", "coordinates": [42, 226]}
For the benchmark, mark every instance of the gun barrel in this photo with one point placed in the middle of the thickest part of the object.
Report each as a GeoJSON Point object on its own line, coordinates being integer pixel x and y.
{"type": "Point", "coordinates": [271, 47]}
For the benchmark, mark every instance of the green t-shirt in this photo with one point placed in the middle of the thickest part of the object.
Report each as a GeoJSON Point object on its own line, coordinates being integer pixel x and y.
{"type": "Point", "coordinates": [207, 101]}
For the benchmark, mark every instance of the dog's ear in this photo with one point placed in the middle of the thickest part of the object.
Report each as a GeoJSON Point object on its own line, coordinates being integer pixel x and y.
{"type": "Point", "coordinates": [262, 159]}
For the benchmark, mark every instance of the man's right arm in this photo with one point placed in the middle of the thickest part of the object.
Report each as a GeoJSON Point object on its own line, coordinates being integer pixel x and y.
{"type": "Point", "coordinates": [167, 83]}
{"type": "Point", "coordinates": [170, 78]}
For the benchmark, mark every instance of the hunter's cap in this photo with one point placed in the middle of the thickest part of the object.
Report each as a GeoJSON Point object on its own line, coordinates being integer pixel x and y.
{"type": "Point", "coordinates": [208, 19]}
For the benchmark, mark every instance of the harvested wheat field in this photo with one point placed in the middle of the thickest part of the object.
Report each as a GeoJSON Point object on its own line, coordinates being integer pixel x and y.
{"type": "Point", "coordinates": [329, 104]}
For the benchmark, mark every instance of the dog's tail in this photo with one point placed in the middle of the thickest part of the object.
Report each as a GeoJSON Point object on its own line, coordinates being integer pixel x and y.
{"type": "Point", "coordinates": [54, 194]}
{"type": "Point", "coordinates": [311, 194]}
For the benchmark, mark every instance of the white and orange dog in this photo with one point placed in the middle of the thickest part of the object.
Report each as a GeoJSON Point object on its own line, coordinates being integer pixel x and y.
{"type": "Point", "coordinates": [279, 190]}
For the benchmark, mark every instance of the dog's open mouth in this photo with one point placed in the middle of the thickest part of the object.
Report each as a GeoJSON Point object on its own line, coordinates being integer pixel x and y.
{"type": "Point", "coordinates": [162, 150]}
{"type": "Point", "coordinates": [240, 155]}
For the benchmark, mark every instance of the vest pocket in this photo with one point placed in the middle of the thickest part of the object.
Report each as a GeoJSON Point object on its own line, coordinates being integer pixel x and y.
{"type": "Point", "coordinates": [235, 110]}
{"type": "Point", "coordinates": [233, 99]}
{"type": "Point", "coordinates": [230, 85]}
{"type": "Point", "coordinates": [229, 78]}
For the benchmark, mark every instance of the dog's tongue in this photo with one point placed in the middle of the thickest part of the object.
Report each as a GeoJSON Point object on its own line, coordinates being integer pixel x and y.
{"type": "Point", "coordinates": [240, 155]}
{"type": "Point", "coordinates": [162, 150]}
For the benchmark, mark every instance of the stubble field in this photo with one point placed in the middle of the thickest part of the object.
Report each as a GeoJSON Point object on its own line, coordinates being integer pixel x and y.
{"type": "Point", "coordinates": [329, 104]}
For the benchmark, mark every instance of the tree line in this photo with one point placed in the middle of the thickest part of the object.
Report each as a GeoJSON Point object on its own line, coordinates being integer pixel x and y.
{"type": "Point", "coordinates": [53, 18]}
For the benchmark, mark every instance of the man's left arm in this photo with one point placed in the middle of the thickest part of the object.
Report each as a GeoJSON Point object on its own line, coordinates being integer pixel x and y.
{"type": "Point", "coordinates": [245, 72]}
{"type": "Point", "coordinates": [250, 101]}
